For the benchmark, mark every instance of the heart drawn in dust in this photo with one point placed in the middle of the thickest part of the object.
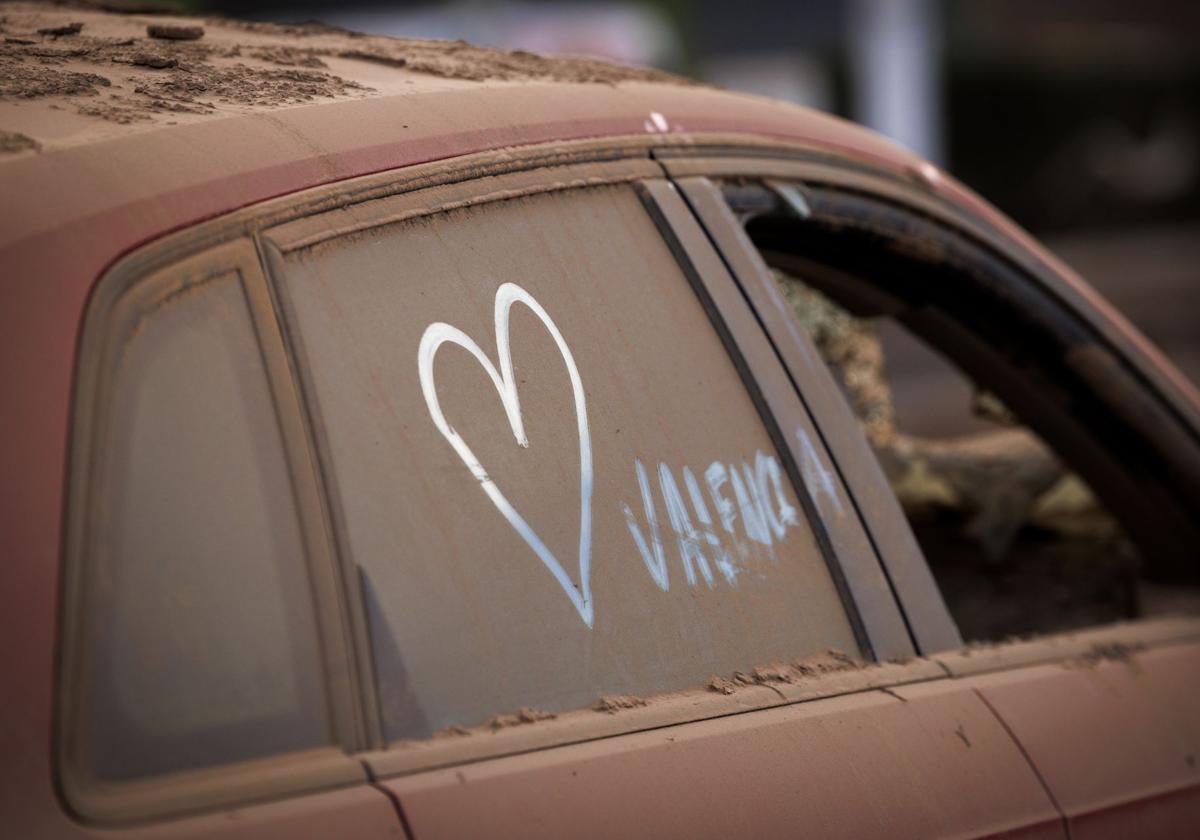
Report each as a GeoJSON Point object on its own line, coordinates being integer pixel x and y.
{"type": "Point", "coordinates": [438, 334]}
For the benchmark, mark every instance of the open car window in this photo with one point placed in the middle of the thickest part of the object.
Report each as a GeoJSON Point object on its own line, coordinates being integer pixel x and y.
{"type": "Point", "coordinates": [549, 473]}
{"type": "Point", "coordinates": [1050, 485]}
{"type": "Point", "coordinates": [1018, 542]}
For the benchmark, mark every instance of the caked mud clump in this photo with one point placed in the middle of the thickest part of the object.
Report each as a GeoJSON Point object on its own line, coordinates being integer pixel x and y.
{"type": "Point", "coordinates": [520, 718]}
{"type": "Point", "coordinates": [1109, 652]}
{"type": "Point", "coordinates": [288, 57]}
{"type": "Point", "coordinates": [249, 86]}
{"type": "Point", "coordinates": [613, 703]}
{"type": "Point", "coordinates": [786, 673]}
{"type": "Point", "coordinates": [188, 79]}
{"type": "Point", "coordinates": [12, 142]}
{"type": "Point", "coordinates": [155, 60]}
{"type": "Point", "coordinates": [175, 33]}
{"type": "Point", "coordinates": [19, 81]}
{"type": "Point", "coordinates": [65, 29]}
{"type": "Point", "coordinates": [721, 685]}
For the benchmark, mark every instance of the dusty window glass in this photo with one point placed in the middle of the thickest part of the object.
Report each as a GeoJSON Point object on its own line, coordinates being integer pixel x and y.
{"type": "Point", "coordinates": [553, 479]}
{"type": "Point", "coordinates": [198, 632]}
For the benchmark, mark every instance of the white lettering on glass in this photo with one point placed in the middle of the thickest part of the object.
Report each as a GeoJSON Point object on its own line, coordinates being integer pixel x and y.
{"type": "Point", "coordinates": [653, 554]}
{"type": "Point", "coordinates": [817, 479]}
{"type": "Point", "coordinates": [759, 502]}
{"type": "Point", "coordinates": [438, 334]}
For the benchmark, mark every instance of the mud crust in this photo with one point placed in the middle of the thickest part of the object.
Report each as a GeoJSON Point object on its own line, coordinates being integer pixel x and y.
{"type": "Point", "coordinates": [140, 69]}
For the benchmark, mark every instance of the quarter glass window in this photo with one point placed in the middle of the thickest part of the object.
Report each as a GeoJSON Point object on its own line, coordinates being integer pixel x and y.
{"type": "Point", "coordinates": [198, 638]}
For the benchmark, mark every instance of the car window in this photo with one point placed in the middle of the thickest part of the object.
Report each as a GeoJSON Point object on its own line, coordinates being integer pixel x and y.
{"type": "Point", "coordinates": [551, 475]}
{"type": "Point", "coordinates": [1018, 542]}
{"type": "Point", "coordinates": [197, 639]}
{"type": "Point", "coordinates": [1035, 484]}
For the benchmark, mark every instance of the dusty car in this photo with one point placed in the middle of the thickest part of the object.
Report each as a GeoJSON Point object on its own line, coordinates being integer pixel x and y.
{"type": "Point", "coordinates": [409, 439]}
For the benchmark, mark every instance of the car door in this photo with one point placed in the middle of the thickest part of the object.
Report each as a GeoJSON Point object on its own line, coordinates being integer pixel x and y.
{"type": "Point", "coordinates": [613, 581]}
{"type": "Point", "coordinates": [1107, 720]}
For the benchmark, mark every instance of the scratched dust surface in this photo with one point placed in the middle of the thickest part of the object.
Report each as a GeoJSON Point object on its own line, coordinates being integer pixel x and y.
{"type": "Point", "coordinates": [63, 61]}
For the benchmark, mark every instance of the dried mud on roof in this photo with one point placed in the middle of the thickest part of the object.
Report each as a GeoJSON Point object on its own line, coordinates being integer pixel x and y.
{"type": "Point", "coordinates": [129, 68]}
{"type": "Point", "coordinates": [12, 141]}
{"type": "Point", "coordinates": [446, 59]}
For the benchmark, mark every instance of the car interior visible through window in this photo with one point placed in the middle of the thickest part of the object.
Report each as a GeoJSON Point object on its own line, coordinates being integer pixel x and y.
{"type": "Point", "coordinates": [1019, 541]}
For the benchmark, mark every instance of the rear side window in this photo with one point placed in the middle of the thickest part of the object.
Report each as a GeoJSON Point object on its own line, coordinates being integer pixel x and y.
{"type": "Point", "coordinates": [196, 642]}
{"type": "Point", "coordinates": [549, 472]}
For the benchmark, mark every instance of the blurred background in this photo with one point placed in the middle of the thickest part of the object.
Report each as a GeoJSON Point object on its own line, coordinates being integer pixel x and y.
{"type": "Point", "coordinates": [1079, 118]}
